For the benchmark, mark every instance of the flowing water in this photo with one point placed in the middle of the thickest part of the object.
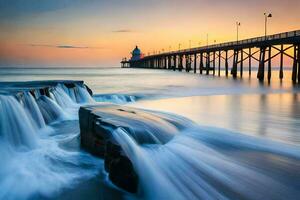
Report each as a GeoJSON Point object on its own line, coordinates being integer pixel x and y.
{"type": "Point", "coordinates": [241, 139]}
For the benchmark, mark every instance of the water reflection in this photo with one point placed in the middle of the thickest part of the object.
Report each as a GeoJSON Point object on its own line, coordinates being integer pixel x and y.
{"type": "Point", "coordinates": [275, 116]}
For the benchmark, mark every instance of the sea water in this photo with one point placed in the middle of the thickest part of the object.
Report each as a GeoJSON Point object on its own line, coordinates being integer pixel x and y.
{"type": "Point", "coordinates": [243, 144]}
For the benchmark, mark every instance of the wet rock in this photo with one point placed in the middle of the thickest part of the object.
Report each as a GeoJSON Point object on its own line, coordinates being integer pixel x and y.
{"type": "Point", "coordinates": [70, 85]}
{"type": "Point", "coordinates": [90, 140]}
{"type": "Point", "coordinates": [112, 151]}
{"type": "Point", "coordinates": [97, 124]}
{"type": "Point", "coordinates": [122, 174]}
{"type": "Point", "coordinates": [89, 90]}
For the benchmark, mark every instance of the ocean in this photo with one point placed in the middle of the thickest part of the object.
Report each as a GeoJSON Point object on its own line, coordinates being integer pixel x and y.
{"type": "Point", "coordinates": [244, 141]}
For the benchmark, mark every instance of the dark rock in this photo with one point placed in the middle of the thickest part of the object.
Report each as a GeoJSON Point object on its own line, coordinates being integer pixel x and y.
{"type": "Point", "coordinates": [70, 85]}
{"type": "Point", "coordinates": [97, 123]}
{"type": "Point", "coordinates": [122, 174]}
{"type": "Point", "coordinates": [112, 151]}
{"type": "Point", "coordinates": [33, 94]}
{"type": "Point", "coordinates": [91, 141]}
{"type": "Point", "coordinates": [89, 90]}
{"type": "Point", "coordinates": [44, 91]}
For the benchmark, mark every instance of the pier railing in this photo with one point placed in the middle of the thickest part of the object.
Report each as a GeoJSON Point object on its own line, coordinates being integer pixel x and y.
{"type": "Point", "coordinates": [279, 36]}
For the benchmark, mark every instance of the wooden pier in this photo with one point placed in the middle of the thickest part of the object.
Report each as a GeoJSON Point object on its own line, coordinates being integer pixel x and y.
{"type": "Point", "coordinates": [210, 58]}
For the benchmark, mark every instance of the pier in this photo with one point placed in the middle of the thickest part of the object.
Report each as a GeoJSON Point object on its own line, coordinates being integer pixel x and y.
{"type": "Point", "coordinates": [209, 59]}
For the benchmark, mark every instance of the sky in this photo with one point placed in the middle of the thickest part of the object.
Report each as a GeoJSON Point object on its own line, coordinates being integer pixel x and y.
{"type": "Point", "coordinates": [99, 33]}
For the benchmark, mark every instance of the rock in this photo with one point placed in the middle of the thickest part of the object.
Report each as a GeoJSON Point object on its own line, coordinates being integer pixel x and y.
{"type": "Point", "coordinates": [90, 140]}
{"type": "Point", "coordinates": [89, 90]}
{"type": "Point", "coordinates": [112, 151]}
{"type": "Point", "coordinates": [70, 85]}
{"type": "Point", "coordinates": [122, 174]}
{"type": "Point", "coordinates": [97, 123]}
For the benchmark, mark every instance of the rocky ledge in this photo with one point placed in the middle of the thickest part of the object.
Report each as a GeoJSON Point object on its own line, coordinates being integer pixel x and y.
{"type": "Point", "coordinates": [37, 88]}
{"type": "Point", "coordinates": [97, 123]}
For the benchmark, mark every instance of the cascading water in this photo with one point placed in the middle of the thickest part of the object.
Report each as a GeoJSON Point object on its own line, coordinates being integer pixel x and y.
{"type": "Point", "coordinates": [16, 128]}
{"type": "Point", "coordinates": [32, 107]}
{"type": "Point", "coordinates": [83, 95]}
{"type": "Point", "coordinates": [34, 163]}
{"type": "Point", "coordinates": [51, 110]}
{"type": "Point", "coordinates": [61, 97]}
{"type": "Point", "coordinates": [199, 164]}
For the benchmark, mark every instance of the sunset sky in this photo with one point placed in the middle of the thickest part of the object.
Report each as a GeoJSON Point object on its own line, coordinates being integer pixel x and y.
{"type": "Point", "coordinates": [98, 33]}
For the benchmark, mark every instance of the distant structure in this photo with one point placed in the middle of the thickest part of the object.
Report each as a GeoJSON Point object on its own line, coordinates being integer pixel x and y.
{"type": "Point", "coordinates": [136, 54]}
{"type": "Point", "coordinates": [134, 60]}
{"type": "Point", "coordinates": [209, 58]}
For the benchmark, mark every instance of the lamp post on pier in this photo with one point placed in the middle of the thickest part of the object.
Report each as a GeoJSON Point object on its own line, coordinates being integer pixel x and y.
{"type": "Point", "coordinates": [267, 15]}
{"type": "Point", "coordinates": [238, 24]}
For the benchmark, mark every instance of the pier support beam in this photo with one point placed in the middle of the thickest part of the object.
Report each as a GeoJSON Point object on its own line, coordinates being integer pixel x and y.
{"type": "Point", "coordinates": [219, 66]}
{"type": "Point", "coordinates": [175, 63]}
{"type": "Point", "coordinates": [195, 63]}
{"type": "Point", "coordinates": [165, 59]}
{"type": "Point", "coordinates": [294, 71]}
{"type": "Point", "coordinates": [180, 64]}
{"type": "Point", "coordinates": [261, 67]}
{"type": "Point", "coordinates": [235, 63]}
{"type": "Point", "coordinates": [201, 66]}
{"type": "Point", "coordinates": [270, 64]}
{"type": "Point", "coordinates": [226, 63]}
{"type": "Point", "coordinates": [214, 62]}
{"type": "Point", "coordinates": [281, 63]}
{"type": "Point", "coordinates": [187, 64]}
{"type": "Point", "coordinates": [242, 63]}
{"type": "Point", "coordinates": [250, 56]}
{"type": "Point", "coordinates": [207, 63]}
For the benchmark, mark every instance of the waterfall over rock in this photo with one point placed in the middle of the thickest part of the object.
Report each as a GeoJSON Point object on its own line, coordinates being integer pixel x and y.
{"type": "Point", "coordinates": [27, 107]}
{"type": "Point", "coordinates": [34, 110]}
{"type": "Point", "coordinates": [16, 127]}
{"type": "Point", "coordinates": [51, 110]}
{"type": "Point", "coordinates": [38, 139]}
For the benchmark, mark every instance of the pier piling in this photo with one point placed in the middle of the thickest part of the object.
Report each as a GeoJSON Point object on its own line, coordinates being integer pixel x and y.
{"type": "Point", "coordinates": [226, 63]}
{"type": "Point", "coordinates": [219, 66]}
{"type": "Point", "coordinates": [242, 61]}
{"type": "Point", "coordinates": [235, 62]}
{"type": "Point", "coordinates": [269, 64]}
{"type": "Point", "coordinates": [261, 67]}
{"type": "Point", "coordinates": [294, 70]}
{"type": "Point", "coordinates": [201, 63]}
{"type": "Point", "coordinates": [195, 63]}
